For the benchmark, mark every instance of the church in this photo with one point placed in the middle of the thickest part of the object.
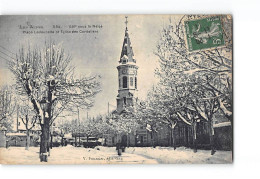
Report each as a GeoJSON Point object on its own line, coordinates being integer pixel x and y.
{"type": "Point", "coordinates": [127, 95]}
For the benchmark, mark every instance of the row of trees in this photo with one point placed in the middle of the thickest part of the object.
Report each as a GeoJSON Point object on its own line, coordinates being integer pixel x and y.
{"type": "Point", "coordinates": [90, 127]}
{"type": "Point", "coordinates": [7, 108]}
{"type": "Point", "coordinates": [192, 86]}
{"type": "Point", "coordinates": [99, 126]}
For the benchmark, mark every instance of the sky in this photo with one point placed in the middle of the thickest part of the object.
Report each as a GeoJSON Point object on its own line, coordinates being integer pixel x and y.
{"type": "Point", "coordinates": [92, 53]}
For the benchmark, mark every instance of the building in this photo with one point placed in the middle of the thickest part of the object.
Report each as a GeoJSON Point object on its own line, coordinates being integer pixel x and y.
{"type": "Point", "coordinates": [18, 137]}
{"type": "Point", "coordinates": [222, 133]}
{"type": "Point", "coordinates": [127, 95]}
{"type": "Point", "coordinates": [21, 128]}
{"type": "Point", "coordinates": [127, 76]}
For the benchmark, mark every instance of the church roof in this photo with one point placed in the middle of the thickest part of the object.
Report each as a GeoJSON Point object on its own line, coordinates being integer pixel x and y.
{"type": "Point", "coordinates": [127, 54]}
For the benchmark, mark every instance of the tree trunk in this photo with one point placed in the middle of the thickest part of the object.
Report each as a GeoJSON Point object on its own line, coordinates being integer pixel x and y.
{"type": "Point", "coordinates": [127, 139]}
{"type": "Point", "coordinates": [211, 137]}
{"type": "Point", "coordinates": [173, 143]}
{"type": "Point", "coordinates": [153, 140]}
{"type": "Point", "coordinates": [173, 139]}
{"type": "Point", "coordinates": [170, 140]}
{"type": "Point", "coordinates": [79, 139]}
{"type": "Point", "coordinates": [48, 145]}
{"type": "Point", "coordinates": [62, 143]}
{"type": "Point", "coordinates": [157, 139]}
{"type": "Point", "coordinates": [78, 125]}
{"type": "Point", "coordinates": [27, 140]}
{"type": "Point", "coordinates": [44, 146]}
{"type": "Point", "coordinates": [194, 134]}
{"type": "Point", "coordinates": [187, 136]}
{"type": "Point", "coordinates": [51, 141]}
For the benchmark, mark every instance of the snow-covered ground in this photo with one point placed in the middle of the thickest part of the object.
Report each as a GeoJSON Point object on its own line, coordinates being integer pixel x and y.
{"type": "Point", "coordinates": [182, 155]}
{"type": "Point", "coordinates": [108, 155]}
{"type": "Point", "coordinates": [70, 155]}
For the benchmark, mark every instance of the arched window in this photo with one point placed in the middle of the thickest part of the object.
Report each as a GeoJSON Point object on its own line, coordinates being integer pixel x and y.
{"type": "Point", "coordinates": [135, 83]}
{"type": "Point", "coordinates": [131, 81]}
{"type": "Point", "coordinates": [124, 82]}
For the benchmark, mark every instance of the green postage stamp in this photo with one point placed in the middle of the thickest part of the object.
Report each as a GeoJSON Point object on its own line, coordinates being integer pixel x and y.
{"type": "Point", "coordinates": [204, 33]}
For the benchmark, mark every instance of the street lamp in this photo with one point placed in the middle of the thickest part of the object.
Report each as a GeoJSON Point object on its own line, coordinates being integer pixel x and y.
{"type": "Point", "coordinates": [44, 106]}
{"type": "Point", "coordinates": [62, 137]}
{"type": "Point", "coordinates": [43, 103]}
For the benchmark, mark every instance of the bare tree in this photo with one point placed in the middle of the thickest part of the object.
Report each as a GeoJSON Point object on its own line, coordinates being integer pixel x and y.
{"type": "Point", "coordinates": [46, 77]}
{"type": "Point", "coordinates": [92, 127]}
{"type": "Point", "coordinates": [7, 107]}
{"type": "Point", "coordinates": [160, 111]}
{"type": "Point", "coordinates": [29, 119]}
{"type": "Point", "coordinates": [195, 84]}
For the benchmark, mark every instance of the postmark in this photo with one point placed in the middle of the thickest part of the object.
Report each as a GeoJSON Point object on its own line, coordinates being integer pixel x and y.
{"type": "Point", "coordinates": [204, 33]}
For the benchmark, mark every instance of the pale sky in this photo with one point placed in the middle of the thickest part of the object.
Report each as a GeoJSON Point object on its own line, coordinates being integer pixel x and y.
{"type": "Point", "coordinates": [97, 53]}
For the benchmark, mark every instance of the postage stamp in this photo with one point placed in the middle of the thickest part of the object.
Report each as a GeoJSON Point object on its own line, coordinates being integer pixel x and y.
{"type": "Point", "coordinates": [204, 33]}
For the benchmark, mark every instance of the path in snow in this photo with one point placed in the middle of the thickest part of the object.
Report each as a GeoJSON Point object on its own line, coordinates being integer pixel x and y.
{"type": "Point", "coordinates": [71, 155]}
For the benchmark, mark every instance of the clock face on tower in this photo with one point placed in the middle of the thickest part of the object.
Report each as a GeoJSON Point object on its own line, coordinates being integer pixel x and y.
{"type": "Point", "coordinates": [124, 71]}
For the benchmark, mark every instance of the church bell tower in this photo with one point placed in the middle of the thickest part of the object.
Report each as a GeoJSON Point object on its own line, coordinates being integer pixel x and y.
{"type": "Point", "coordinates": [127, 75]}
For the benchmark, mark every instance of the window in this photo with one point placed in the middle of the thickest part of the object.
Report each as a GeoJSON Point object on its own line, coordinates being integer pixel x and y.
{"type": "Point", "coordinates": [131, 81]}
{"type": "Point", "coordinates": [119, 83]}
{"type": "Point", "coordinates": [124, 82]}
{"type": "Point", "coordinates": [135, 83]}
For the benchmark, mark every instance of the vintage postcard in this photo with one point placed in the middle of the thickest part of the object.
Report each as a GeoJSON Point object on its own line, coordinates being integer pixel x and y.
{"type": "Point", "coordinates": [116, 89]}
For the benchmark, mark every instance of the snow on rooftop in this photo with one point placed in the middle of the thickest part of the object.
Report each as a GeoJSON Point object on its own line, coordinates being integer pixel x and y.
{"type": "Point", "coordinates": [222, 124]}
{"type": "Point", "coordinates": [124, 57]}
{"type": "Point", "coordinates": [15, 134]}
{"type": "Point", "coordinates": [3, 128]}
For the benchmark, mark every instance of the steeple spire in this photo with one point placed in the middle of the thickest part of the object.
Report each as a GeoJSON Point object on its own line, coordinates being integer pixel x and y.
{"type": "Point", "coordinates": [126, 21]}
{"type": "Point", "coordinates": [127, 54]}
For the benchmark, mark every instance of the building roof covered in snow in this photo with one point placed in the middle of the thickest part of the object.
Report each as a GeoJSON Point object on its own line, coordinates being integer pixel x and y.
{"type": "Point", "coordinates": [222, 124]}
{"type": "Point", "coordinates": [16, 134]}
{"type": "Point", "coordinates": [20, 126]}
{"type": "Point", "coordinates": [2, 128]}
